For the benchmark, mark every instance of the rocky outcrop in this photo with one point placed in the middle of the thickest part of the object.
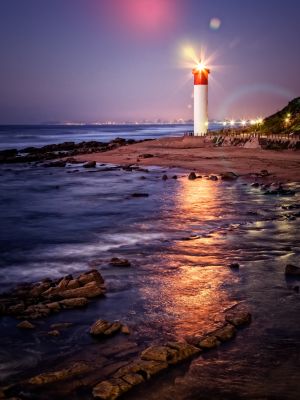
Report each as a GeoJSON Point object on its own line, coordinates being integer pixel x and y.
{"type": "Point", "coordinates": [229, 176]}
{"type": "Point", "coordinates": [38, 300]}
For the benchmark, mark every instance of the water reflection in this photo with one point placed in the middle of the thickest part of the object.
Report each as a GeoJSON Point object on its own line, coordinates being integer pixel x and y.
{"type": "Point", "coordinates": [191, 297]}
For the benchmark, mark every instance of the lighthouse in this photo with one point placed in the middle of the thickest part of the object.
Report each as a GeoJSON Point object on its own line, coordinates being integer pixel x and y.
{"type": "Point", "coordinates": [200, 99]}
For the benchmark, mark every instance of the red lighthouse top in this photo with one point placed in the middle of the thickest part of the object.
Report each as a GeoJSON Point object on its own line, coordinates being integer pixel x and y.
{"type": "Point", "coordinates": [201, 75]}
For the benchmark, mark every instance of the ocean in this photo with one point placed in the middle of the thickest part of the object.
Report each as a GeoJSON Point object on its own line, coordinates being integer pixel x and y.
{"type": "Point", "coordinates": [21, 136]}
{"type": "Point", "coordinates": [180, 240]}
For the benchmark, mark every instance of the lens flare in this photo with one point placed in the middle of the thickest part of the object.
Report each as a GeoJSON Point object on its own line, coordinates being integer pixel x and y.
{"type": "Point", "coordinates": [215, 24]}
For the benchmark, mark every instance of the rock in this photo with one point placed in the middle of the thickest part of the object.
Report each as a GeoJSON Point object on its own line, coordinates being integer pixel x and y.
{"type": "Point", "coordinates": [25, 325]}
{"type": "Point", "coordinates": [89, 164]}
{"type": "Point", "coordinates": [38, 289]}
{"type": "Point", "coordinates": [91, 276]}
{"type": "Point", "coordinates": [110, 389]}
{"type": "Point", "coordinates": [225, 333]}
{"type": "Point", "coordinates": [16, 310]}
{"type": "Point", "coordinates": [234, 265]}
{"type": "Point", "coordinates": [182, 350]}
{"type": "Point", "coordinates": [208, 342]}
{"type": "Point", "coordinates": [89, 290]}
{"type": "Point", "coordinates": [104, 328]}
{"type": "Point", "coordinates": [192, 176]}
{"type": "Point", "coordinates": [133, 379]}
{"type": "Point", "coordinates": [73, 284]}
{"type": "Point", "coordinates": [213, 178]}
{"type": "Point", "coordinates": [155, 353]}
{"type": "Point", "coordinates": [296, 289]}
{"type": "Point", "coordinates": [61, 325]}
{"type": "Point", "coordinates": [54, 332]}
{"type": "Point", "coordinates": [119, 262]}
{"type": "Point", "coordinates": [63, 283]}
{"type": "Point", "coordinates": [143, 367]}
{"type": "Point", "coordinates": [49, 377]}
{"type": "Point", "coordinates": [58, 163]}
{"type": "Point", "coordinates": [140, 195]}
{"type": "Point", "coordinates": [54, 306]}
{"type": "Point", "coordinates": [74, 303]}
{"type": "Point", "coordinates": [238, 318]}
{"type": "Point", "coordinates": [125, 329]}
{"type": "Point", "coordinates": [229, 176]}
{"type": "Point", "coordinates": [292, 271]}
{"type": "Point", "coordinates": [165, 177]}
{"type": "Point", "coordinates": [255, 185]}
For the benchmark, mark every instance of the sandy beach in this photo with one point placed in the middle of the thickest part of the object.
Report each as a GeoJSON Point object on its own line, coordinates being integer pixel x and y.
{"type": "Point", "coordinates": [202, 157]}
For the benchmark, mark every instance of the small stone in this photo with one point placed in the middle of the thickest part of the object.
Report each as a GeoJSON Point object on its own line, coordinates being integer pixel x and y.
{"type": "Point", "coordinates": [54, 332]}
{"type": "Point", "coordinates": [55, 306]}
{"type": "Point", "coordinates": [119, 262]}
{"type": "Point", "coordinates": [213, 178]}
{"type": "Point", "coordinates": [296, 289]}
{"type": "Point", "coordinates": [174, 177]}
{"type": "Point", "coordinates": [61, 325]}
{"type": "Point", "coordinates": [105, 328]}
{"type": "Point", "coordinates": [165, 177]}
{"type": "Point", "coordinates": [89, 164]}
{"type": "Point", "coordinates": [255, 185]}
{"type": "Point", "coordinates": [192, 176]}
{"type": "Point", "coordinates": [234, 265]}
{"type": "Point", "coordinates": [140, 195]}
{"type": "Point", "coordinates": [125, 329]}
{"type": "Point", "coordinates": [292, 271]}
{"type": "Point", "coordinates": [115, 327]}
{"type": "Point", "coordinates": [25, 325]}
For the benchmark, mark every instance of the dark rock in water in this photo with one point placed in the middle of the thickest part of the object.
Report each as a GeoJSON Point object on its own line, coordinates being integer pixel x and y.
{"type": "Point", "coordinates": [192, 176]}
{"type": "Point", "coordinates": [264, 172]}
{"type": "Point", "coordinates": [89, 164]}
{"type": "Point", "coordinates": [229, 176]}
{"type": "Point", "coordinates": [26, 325]}
{"type": "Point", "coordinates": [213, 178]}
{"type": "Point", "coordinates": [142, 177]}
{"type": "Point", "coordinates": [209, 342]}
{"type": "Point", "coordinates": [119, 262]}
{"type": "Point", "coordinates": [234, 265]}
{"type": "Point", "coordinates": [54, 332]}
{"type": "Point", "coordinates": [292, 271]}
{"type": "Point", "coordinates": [164, 177]}
{"type": "Point", "coordinates": [105, 328]}
{"type": "Point", "coordinates": [280, 191]}
{"type": "Point", "coordinates": [74, 303]}
{"type": "Point", "coordinates": [225, 333]}
{"type": "Point", "coordinates": [61, 325]}
{"type": "Point", "coordinates": [8, 153]}
{"type": "Point", "coordinates": [255, 185]}
{"type": "Point", "coordinates": [140, 195]}
{"type": "Point", "coordinates": [174, 177]}
{"type": "Point", "coordinates": [296, 289]}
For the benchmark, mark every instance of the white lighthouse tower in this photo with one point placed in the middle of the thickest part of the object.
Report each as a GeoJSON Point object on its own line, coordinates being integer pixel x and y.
{"type": "Point", "coordinates": [200, 99]}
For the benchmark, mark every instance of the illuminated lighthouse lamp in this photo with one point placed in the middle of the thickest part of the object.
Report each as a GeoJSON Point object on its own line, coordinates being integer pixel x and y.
{"type": "Point", "coordinates": [200, 73]}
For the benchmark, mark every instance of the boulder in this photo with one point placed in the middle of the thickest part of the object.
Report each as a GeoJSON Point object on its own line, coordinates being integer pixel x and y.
{"type": "Point", "coordinates": [91, 276]}
{"type": "Point", "coordinates": [140, 195]}
{"type": "Point", "coordinates": [54, 306]}
{"type": "Point", "coordinates": [229, 176]}
{"type": "Point", "coordinates": [146, 368]}
{"type": "Point", "coordinates": [125, 329]}
{"type": "Point", "coordinates": [25, 325]}
{"type": "Point", "coordinates": [156, 353]}
{"type": "Point", "coordinates": [119, 262]}
{"type": "Point", "coordinates": [165, 177]}
{"type": "Point", "coordinates": [54, 332]}
{"type": "Point", "coordinates": [213, 178]}
{"type": "Point", "coordinates": [292, 271]}
{"type": "Point", "coordinates": [234, 266]}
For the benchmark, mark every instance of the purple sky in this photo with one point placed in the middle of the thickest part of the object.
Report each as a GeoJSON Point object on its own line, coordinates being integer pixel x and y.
{"type": "Point", "coordinates": [99, 60]}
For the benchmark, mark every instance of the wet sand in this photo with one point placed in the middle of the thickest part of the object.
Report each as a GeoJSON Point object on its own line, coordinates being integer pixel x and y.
{"type": "Point", "coordinates": [194, 154]}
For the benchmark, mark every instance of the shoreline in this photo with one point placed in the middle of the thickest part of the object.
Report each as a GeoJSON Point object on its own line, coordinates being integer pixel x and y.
{"type": "Point", "coordinates": [282, 165]}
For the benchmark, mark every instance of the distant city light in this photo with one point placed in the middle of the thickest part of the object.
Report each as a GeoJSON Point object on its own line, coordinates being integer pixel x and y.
{"type": "Point", "coordinates": [224, 123]}
{"type": "Point", "coordinates": [260, 121]}
{"type": "Point", "coordinates": [243, 122]}
{"type": "Point", "coordinates": [232, 122]}
{"type": "Point", "coordinates": [252, 122]}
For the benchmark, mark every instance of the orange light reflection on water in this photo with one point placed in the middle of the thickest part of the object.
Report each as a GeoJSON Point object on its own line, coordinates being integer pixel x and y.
{"type": "Point", "coordinates": [192, 297]}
